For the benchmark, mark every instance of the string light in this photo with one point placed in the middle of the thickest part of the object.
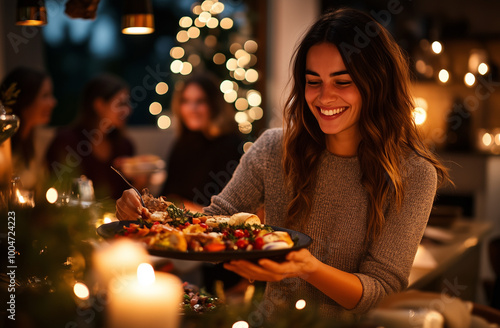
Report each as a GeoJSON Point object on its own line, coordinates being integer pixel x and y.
{"type": "Point", "coordinates": [443, 76]}
{"type": "Point", "coordinates": [300, 304]}
{"type": "Point", "coordinates": [482, 68]}
{"type": "Point", "coordinates": [469, 79]}
{"type": "Point", "coordinates": [161, 88]}
{"type": "Point", "coordinates": [436, 47]}
{"type": "Point", "coordinates": [239, 68]}
{"type": "Point", "coordinates": [155, 108]}
{"type": "Point", "coordinates": [81, 291]}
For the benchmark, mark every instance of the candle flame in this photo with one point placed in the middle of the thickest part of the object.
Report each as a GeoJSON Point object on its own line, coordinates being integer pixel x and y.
{"type": "Point", "coordinates": [20, 197]}
{"type": "Point", "coordinates": [145, 274]}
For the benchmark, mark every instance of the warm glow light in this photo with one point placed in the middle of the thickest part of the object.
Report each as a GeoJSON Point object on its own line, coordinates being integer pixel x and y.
{"type": "Point", "coordinates": [231, 96]}
{"type": "Point", "coordinates": [241, 104]}
{"type": "Point", "coordinates": [245, 127]}
{"type": "Point", "coordinates": [239, 74]}
{"type": "Point", "coordinates": [145, 274]}
{"type": "Point", "coordinates": [469, 79]}
{"type": "Point", "coordinates": [197, 10]}
{"type": "Point", "coordinates": [161, 88]}
{"type": "Point", "coordinates": [251, 75]}
{"type": "Point", "coordinates": [226, 86]}
{"type": "Point", "coordinates": [444, 76]}
{"type": "Point", "coordinates": [207, 5]}
{"type": "Point", "coordinates": [187, 68]}
{"type": "Point", "coordinates": [436, 47]}
{"type": "Point", "coordinates": [212, 22]}
{"type": "Point", "coordinates": [107, 219]}
{"type": "Point", "coordinates": [487, 139]}
{"type": "Point", "coordinates": [482, 68]}
{"type": "Point", "coordinates": [205, 16]}
{"type": "Point", "coordinates": [81, 291]}
{"type": "Point", "coordinates": [51, 195]}
{"type": "Point", "coordinates": [231, 64]}
{"type": "Point", "coordinates": [497, 139]}
{"type": "Point", "coordinates": [241, 117]}
{"type": "Point", "coordinates": [254, 99]}
{"type": "Point", "coordinates": [219, 58]}
{"type": "Point", "coordinates": [185, 22]}
{"type": "Point", "coordinates": [198, 22]}
{"type": "Point", "coordinates": [193, 32]}
{"type": "Point", "coordinates": [20, 197]}
{"type": "Point", "coordinates": [247, 146]}
{"type": "Point", "coordinates": [217, 8]}
{"type": "Point", "coordinates": [421, 102]}
{"type": "Point", "coordinates": [164, 122]}
{"type": "Point", "coordinates": [155, 108]}
{"type": "Point", "coordinates": [182, 36]}
{"type": "Point", "coordinates": [300, 304]}
{"type": "Point", "coordinates": [226, 23]}
{"type": "Point", "coordinates": [419, 115]}
{"type": "Point", "coordinates": [177, 52]}
{"type": "Point", "coordinates": [255, 113]}
{"type": "Point", "coordinates": [250, 46]}
{"type": "Point", "coordinates": [176, 66]}
{"type": "Point", "coordinates": [240, 324]}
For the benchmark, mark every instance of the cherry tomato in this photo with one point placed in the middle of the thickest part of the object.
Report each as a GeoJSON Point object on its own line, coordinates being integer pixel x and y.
{"type": "Point", "coordinates": [258, 243]}
{"type": "Point", "coordinates": [242, 243]}
{"type": "Point", "coordinates": [203, 225]}
{"type": "Point", "coordinates": [238, 233]}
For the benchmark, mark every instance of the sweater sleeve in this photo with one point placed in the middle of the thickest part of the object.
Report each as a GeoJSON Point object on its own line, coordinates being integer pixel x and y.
{"type": "Point", "coordinates": [245, 191]}
{"type": "Point", "coordinates": [386, 267]}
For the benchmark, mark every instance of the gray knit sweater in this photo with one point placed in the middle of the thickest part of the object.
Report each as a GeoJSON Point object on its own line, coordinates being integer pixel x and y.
{"type": "Point", "coordinates": [337, 224]}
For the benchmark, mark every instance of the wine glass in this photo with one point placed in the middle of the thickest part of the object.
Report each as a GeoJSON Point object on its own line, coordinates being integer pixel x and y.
{"type": "Point", "coordinates": [9, 123]}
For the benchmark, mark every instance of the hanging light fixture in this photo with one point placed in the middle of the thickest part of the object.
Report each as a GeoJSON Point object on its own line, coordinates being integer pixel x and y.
{"type": "Point", "coordinates": [31, 12]}
{"type": "Point", "coordinates": [138, 17]}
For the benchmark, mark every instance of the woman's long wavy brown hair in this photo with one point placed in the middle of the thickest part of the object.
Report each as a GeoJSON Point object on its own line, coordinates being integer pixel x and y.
{"type": "Point", "coordinates": [380, 71]}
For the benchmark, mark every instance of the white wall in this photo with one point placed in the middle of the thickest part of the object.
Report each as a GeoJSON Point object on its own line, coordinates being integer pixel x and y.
{"type": "Point", "coordinates": [288, 20]}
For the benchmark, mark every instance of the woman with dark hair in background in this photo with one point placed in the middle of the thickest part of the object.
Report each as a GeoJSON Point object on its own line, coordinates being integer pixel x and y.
{"type": "Point", "coordinates": [33, 104]}
{"type": "Point", "coordinates": [350, 169]}
{"type": "Point", "coordinates": [97, 139]}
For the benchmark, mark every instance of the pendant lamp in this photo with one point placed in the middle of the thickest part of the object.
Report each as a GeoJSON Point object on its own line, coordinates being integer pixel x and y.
{"type": "Point", "coordinates": [31, 12]}
{"type": "Point", "coordinates": [138, 17]}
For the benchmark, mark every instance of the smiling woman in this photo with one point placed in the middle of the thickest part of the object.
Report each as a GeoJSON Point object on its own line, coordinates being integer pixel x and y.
{"type": "Point", "coordinates": [349, 169]}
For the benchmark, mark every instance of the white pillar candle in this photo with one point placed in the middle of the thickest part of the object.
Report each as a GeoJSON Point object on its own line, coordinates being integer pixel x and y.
{"type": "Point", "coordinates": [118, 258]}
{"type": "Point", "coordinates": [145, 300]}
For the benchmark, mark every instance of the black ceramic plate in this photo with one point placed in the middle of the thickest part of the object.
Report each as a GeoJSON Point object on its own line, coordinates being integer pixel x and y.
{"type": "Point", "coordinates": [109, 230]}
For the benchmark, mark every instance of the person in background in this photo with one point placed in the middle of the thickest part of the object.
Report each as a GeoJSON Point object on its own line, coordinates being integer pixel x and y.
{"type": "Point", "coordinates": [207, 148]}
{"type": "Point", "coordinates": [349, 169]}
{"type": "Point", "coordinates": [97, 139]}
{"type": "Point", "coordinates": [31, 98]}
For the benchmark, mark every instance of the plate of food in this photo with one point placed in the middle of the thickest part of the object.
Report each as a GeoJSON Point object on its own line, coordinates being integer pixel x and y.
{"type": "Point", "coordinates": [173, 232]}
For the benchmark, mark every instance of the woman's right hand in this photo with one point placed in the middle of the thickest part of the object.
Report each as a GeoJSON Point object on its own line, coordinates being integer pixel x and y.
{"type": "Point", "coordinates": [128, 206]}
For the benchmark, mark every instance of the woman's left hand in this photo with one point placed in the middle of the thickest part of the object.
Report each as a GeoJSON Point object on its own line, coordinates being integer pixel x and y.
{"type": "Point", "coordinates": [298, 264]}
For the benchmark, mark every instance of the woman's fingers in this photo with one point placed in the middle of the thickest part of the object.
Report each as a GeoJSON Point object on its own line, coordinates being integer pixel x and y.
{"type": "Point", "coordinates": [128, 207]}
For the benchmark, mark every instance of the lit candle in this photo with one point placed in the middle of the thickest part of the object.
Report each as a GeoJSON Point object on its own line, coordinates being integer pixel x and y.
{"type": "Point", "coordinates": [145, 300]}
{"type": "Point", "coordinates": [119, 258]}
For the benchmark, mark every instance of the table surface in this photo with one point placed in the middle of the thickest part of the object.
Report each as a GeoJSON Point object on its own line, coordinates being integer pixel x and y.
{"type": "Point", "coordinates": [466, 235]}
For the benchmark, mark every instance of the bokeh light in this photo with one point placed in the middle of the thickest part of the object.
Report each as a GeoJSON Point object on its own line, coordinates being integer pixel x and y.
{"type": "Point", "coordinates": [250, 46]}
{"type": "Point", "coordinates": [164, 122]}
{"type": "Point", "coordinates": [226, 86]}
{"type": "Point", "coordinates": [419, 115]}
{"type": "Point", "coordinates": [155, 108]}
{"type": "Point", "coordinates": [247, 145]}
{"type": "Point", "coordinates": [469, 79]}
{"type": "Point", "coordinates": [187, 68]}
{"type": "Point", "coordinates": [251, 75]}
{"type": "Point", "coordinates": [219, 58]}
{"type": "Point", "coordinates": [51, 195]}
{"type": "Point", "coordinates": [241, 104]}
{"type": "Point", "coordinates": [240, 324]}
{"type": "Point", "coordinates": [161, 88]}
{"type": "Point", "coordinates": [437, 47]}
{"type": "Point", "coordinates": [226, 23]}
{"type": "Point", "coordinates": [81, 291]}
{"type": "Point", "coordinates": [300, 304]}
{"type": "Point", "coordinates": [255, 113]}
{"type": "Point", "coordinates": [231, 96]}
{"type": "Point", "coordinates": [213, 22]}
{"type": "Point", "coordinates": [241, 117]}
{"type": "Point", "coordinates": [194, 59]}
{"type": "Point", "coordinates": [443, 76]}
{"type": "Point", "coordinates": [185, 22]}
{"type": "Point", "coordinates": [245, 127]}
{"type": "Point", "coordinates": [176, 66]}
{"type": "Point", "coordinates": [177, 52]}
{"type": "Point", "coordinates": [482, 68]}
{"type": "Point", "coordinates": [182, 36]}
{"type": "Point", "coordinates": [193, 32]}
{"type": "Point", "coordinates": [211, 41]}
